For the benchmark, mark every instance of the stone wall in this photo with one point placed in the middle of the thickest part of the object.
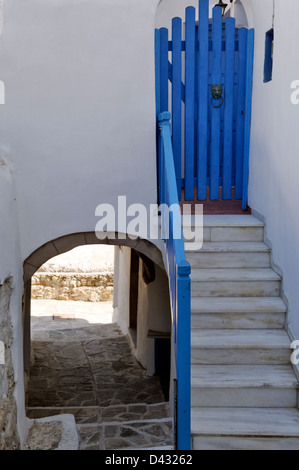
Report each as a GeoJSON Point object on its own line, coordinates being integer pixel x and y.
{"type": "Point", "coordinates": [83, 274]}
{"type": "Point", "coordinates": [9, 439]}
{"type": "Point", "coordinates": [84, 287]}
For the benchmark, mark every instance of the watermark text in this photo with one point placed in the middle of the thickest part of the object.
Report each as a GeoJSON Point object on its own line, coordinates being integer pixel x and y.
{"type": "Point", "coordinates": [295, 93]}
{"type": "Point", "coordinates": [2, 353]}
{"type": "Point", "coordinates": [156, 222]}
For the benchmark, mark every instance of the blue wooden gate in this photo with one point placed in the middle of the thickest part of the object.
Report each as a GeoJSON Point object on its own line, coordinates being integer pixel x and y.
{"type": "Point", "coordinates": [204, 77]}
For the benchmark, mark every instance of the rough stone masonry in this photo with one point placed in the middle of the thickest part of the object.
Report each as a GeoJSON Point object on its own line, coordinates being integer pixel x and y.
{"type": "Point", "coordinates": [9, 439]}
{"type": "Point", "coordinates": [84, 274]}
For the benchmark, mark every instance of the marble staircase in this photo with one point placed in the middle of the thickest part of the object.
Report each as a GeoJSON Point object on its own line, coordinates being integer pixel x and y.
{"type": "Point", "coordinates": [244, 389]}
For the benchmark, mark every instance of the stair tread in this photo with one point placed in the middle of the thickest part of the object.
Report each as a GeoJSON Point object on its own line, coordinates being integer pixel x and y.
{"type": "Point", "coordinates": [234, 274]}
{"type": "Point", "coordinates": [245, 422]}
{"type": "Point", "coordinates": [230, 247]}
{"type": "Point", "coordinates": [226, 221]}
{"type": "Point", "coordinates": [240, 339]}
{"type": "Point", "coordinates": [249, 376]}
{"type": "Point", "coordinates": [237, 305]}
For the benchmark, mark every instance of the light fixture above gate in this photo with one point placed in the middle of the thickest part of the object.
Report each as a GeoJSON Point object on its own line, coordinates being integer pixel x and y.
{"type": "Point", "coordinates": [222, 5]}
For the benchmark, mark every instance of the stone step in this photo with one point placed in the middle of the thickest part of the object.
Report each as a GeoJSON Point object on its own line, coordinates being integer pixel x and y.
{"type": "Point", "coordinates": [226, 228]}
{"type": "Point", "coordinates": [243, 386]}
{"type": "Point", "coordinates": [230, 255]}
{"type": "Point", "coordinates": [237, 312]}
{"type": "Point", "coordinates": [225, 347]}
{"type": "Point", "coordinates": [235, 283]}
{"type": "Point", "coordinates": [106, 414]}
{"type": "Point", "coordinates": [136, 434]}
{"type": "Point", "coordinates": [245, 429]}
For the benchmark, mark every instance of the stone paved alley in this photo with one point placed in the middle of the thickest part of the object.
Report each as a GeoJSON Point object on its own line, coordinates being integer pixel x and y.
{"type": "Point", "coordinates": [83, 365]}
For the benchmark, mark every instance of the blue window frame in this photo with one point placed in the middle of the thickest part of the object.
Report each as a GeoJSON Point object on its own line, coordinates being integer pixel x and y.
{"type": "Point", "coordinates": [269, 46]}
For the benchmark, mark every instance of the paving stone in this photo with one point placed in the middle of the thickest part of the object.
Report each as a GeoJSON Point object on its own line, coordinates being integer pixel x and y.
{"type": "Point", "coordinates": [89, 437]}
{"type": "Point", "coordinates": [89, 371]}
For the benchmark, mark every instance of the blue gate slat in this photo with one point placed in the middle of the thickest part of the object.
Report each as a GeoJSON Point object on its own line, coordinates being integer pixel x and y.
{"type": "Point", "coordinates": [216, 112]}
{"type": "Point", "coordinates": [177, 98]}
{"type": "Point", "coordinates": [248, 107]}
{"type": "Point", "coordinates": [228, 108]}
{"type": "Point", "coordinates": [189, 103]}
{"type": "Point", "coordinates": [203, 78]}
{"type": "Point", "coordinates": [163, 69]}
{"type": "Point", "coordinates": [241, 113]}
{"type": "Point", "coordinates": [157, 71]}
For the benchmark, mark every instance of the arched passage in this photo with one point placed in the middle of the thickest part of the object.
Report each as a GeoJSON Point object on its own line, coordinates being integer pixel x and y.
{"type": "Point", "coordinates": [86, 365]}
{"type": "Point", "coordinates": [66, 243]}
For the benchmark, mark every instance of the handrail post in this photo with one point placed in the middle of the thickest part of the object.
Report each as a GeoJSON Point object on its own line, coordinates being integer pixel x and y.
{"type": "Point", "coordinates": [184, 357]}
{"type": "Point", "coordinates": [180, 286]}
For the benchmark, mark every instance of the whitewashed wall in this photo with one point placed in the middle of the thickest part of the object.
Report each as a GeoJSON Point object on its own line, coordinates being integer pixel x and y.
{"type": "Point", "coordinates": [78, 126]}
{"type": "Point", "coordinates": [11, 266]}
{"type": "Point", "coordinates": [153, 315]}
{"type": "Point", "coordinates": [274, 161]}
{"type": "Point", "coordinates": [79, 118]}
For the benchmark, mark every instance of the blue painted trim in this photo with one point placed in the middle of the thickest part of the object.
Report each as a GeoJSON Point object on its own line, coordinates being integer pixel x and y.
{"type": "Point", "coordinates": [229, 108]}
{"type": "Point", "coordinates": [268, 65]}
{"type": "Point", "coordinates": [189, 103]}
{"type": "Point", "coordinates": [248, 109]}
{"type": "Point", "coordinates": [177, 99]}
{"type": "Point", "coordinates": [157, 72]}
{"type": "Point", "coordinates": [203, 80]}
{"type": "Point", "coordinates": [216, 112]}
{"type": "Point", "coordinates": [184, 358]}
{"type": "Point", "coordinates": [178, 270]}
{"type": "Point", "coordinates": [163, 69]}
{"type": "Point", "coordinates": [241, 113]}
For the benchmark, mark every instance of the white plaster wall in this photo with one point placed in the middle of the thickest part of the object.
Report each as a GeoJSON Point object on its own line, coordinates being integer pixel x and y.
{"type": "Point", "coordinates": [11, 266]}
{"type": "Point", "coordinates": [78, 125]}
{"type": "Point", "coordinates": [153, 314]}
{"type": "Point", "coordinates": [79, 117]}
{"type": "Point", "coordinates": [153, 306]}
{"type": "Point", "coordinates": [121, 304]}
{"type": "Point", "coordinates": [274, 162]}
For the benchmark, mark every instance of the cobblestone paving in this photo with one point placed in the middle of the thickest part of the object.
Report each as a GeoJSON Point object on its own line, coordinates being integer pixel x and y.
{"type": "Point", "coordinates": [88, 370]}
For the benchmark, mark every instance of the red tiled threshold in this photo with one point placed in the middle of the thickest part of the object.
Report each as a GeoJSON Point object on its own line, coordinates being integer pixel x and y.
{"type": "Point", "coordinates": [224, 207]}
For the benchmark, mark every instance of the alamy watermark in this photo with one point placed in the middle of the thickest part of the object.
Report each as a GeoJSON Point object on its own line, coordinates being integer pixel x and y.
{"type": "Point", "coordinates": [151, 223]}
{"type": "Point", "coordinates": [295, 93]}
{"type": "Point", "coordinates": [295, 355]}
{"type": "Point", "coordinates": [2, 353]}
{"type": "Point", "coordinates": [2, 92]}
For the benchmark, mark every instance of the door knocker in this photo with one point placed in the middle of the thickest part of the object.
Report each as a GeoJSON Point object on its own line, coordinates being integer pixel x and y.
{"type": "Point", "coordinates": [217, 91]}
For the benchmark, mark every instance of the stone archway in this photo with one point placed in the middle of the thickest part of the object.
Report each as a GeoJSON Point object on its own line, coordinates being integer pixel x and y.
{"type": "Point", "coordinates": [62, 245]}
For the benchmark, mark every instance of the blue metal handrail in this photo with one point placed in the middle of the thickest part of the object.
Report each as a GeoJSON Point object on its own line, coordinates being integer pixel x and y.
{"type": "Point", "coordinates": [180, 284]}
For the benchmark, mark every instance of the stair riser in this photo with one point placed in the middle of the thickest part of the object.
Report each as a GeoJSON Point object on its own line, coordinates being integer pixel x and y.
{"type": "Point", "coordinates": [229, 260]}
{"type": "Point", "coordinates": [246, 321]}
{"type": "Point", "coordinates": [242, 397]}
{"type": "Point", "coordinates": [227, 234]}
{"type": "Point", "coordinates": [209, 356]}
{"type": "Point", "coordinates": [235, 289]}
{"type": "Point", "coordinates": [244, 443]}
